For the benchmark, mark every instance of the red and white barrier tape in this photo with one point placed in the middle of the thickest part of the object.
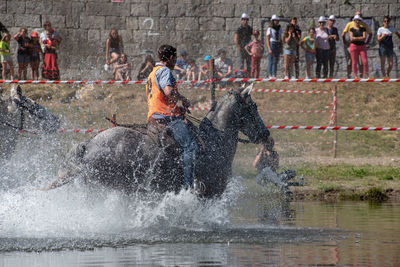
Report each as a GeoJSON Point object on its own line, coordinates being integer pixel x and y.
{"type": "Point", "coordinates": [261, 90]}
{"type": "Point", "coordinates": [305, 143]}
{"type": "Point", "coordinates": [199, 108]}
{"type": "Point", "coordinates": [297, 111]}
{"type": "Point", "coordinates": [199, 82]}
{"type": "Point", "coordinates": [333, 128]}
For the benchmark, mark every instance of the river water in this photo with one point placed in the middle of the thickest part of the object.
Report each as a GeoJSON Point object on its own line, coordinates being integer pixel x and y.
{"type": "Point", "coordinates": [75, 226]}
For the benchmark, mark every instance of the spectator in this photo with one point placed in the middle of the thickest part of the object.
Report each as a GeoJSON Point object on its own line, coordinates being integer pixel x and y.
{"type": "Point", "coordinates": [385, 40]}
{"type": "Point", "coordinates": [333, 36]}
{"type": "Point", "coordinates": [181, 65]}
{"type": "Point", "coordinates": [242, 38]}
{"type": "Point", "coordinates": [241, 73]}
{"type": "Point", "coordinates": [347, 43]}
{"type": "Point", "coordinates": [309, 45]}
{"type": "Point", "coordinates": [50, 69]}
{"type": "Point", "coordinates": [297, 31]}
{"type": "Point", "coordinates": [323, 48]}
{"type": "Point", "coordinates": [24, 56]}
{"type": "Point", "coordinates": [256, 50]}
{"type": "Point", "coordinates": [358, 47]}
{"type": "Point", "coordinates": [54, 35]}
{"type": "Point", "coordinates": [192, 70]}
{"type": "Point", "coordinates": [36, 51]}
{"type": "Point", "coordinates": [146, 68]}
{"type": "Point", "coordinates": [122, 69]}
{"type": "Point", "coordinates": [274, 45]}
{"type": "Point", "coordinates": [5, 56]}
{"type": "Point", "coordinates": [205, 69]}
{"type": "Point", "coordinates": [290, 43]}
{"type": "Point", "coordinates": [223, 65]}
{"type": "Point", "coordinates": [114, 48]}
{"type": "Point", "coordinates": [3, 29]}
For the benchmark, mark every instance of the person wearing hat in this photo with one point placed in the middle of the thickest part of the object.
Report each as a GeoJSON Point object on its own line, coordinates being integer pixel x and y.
{"type": "Point", "coordinates": [256, 50]}
{"type": "Point", "coordinates": [323, 47]}
{"type": "Point", "coordinates": [346, 43]}
{"type": "Point", "coordinates": [333, 37]}
{"type": "Point", "coordinates": [181, 65]}
{"type": "Point", "coordinates": [205, 69]}
{"type": "Point", "coordinates": [274, 45]}
{"type": "Point", "coordinates": [385, 39]}
{"type": "Point", "coordinates": [36, 52]}
{"type": "Point", "coordinates": [223, 65]}
{"type": "Point", "coordinates": [242, 38]}
{"type": "Point", "coordinates": [357, 47]}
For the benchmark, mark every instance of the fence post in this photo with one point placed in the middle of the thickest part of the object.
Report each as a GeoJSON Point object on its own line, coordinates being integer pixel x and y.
{"type": "Point", "coordinates": [113, 120]}
{"type": "Point", "coordinates": [212, 84]}
{"type": "Point", "coordinates": [335, 141]}
{"type": "Point", "coordinates": [21, 110]}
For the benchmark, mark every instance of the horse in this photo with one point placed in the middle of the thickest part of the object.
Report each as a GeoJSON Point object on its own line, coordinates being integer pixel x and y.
{"type": "Point", "coordinates": [130, 160]}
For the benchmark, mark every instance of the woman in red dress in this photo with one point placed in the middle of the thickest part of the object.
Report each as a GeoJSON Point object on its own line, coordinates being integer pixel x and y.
{"type": "Point", "coordinates": [50, 69]}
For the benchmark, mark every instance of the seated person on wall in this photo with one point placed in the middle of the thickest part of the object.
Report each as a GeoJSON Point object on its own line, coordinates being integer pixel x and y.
{"type": "Point", "coordinates": [204, 73]}
{"type": "Point", "coordinates": [146, 68]}
{"type": "Point", "coordinates": [122, 69]}
{"type": "Point", "coordinates": [223, 65]}
{"type": "Point", "coordinates": [192, 70]}
{"type": "Point", "coordinates": [181, 65]}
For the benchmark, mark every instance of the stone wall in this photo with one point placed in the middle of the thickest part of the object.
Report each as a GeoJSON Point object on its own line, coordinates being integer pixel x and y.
{"type": "Point", "coordinates": [199, 26]}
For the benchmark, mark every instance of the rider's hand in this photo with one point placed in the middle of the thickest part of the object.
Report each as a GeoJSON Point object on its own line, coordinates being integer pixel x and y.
{"type": "Point", "coordinates": [185, 103]}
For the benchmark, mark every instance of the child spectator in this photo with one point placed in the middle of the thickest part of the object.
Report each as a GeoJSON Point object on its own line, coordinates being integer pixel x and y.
{"type": "Point", "coordinates": [5, 56]}
{"type": "Point", "coordinates": [192, 70]}
{"type": "Point", "coordinates": [256, 51]}
{"type": "Point", "coordinates": [290, 42]}
{"type": "Point", "coordinates": [309, 45]}
{"type": "Point", "coordinates": [181, 65]}
{"type": "Point", "coordinates": [24, 56]}
{"type": "Point", "coordinates": [204, 69]}
{"type": "Point", "coordinates": [36, 51]}
{"type": "Point", "coordinates": [385, 40]}
{"type": "Point", "coordinates": [54, 34]}
{"type": "Point", "coordinates": [358, 35]}
{"type": "Point", "coordinates": [323, 47]}
{"type": "Point", "coordinates": [50, 69]}
{"type": "Point", "coordinates": [114, 48]}
{"type": "Point", "coordinates": [122, 69]}
{"type": "Point", "coordinates": [223, 65]}
{"type": "Point", "coordinates": [146, 68]}
{"type": "Point", "coordinates": [274, 45]}
{"type": "Point", "coordinates": [297, 31]}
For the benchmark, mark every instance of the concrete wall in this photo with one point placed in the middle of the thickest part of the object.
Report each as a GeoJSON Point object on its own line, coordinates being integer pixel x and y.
{"type": "Point", "coordinates": [199, 26]}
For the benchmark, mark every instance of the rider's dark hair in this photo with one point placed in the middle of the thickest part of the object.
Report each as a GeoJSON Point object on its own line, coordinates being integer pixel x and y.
{"type": "Point", "coordinates": [165, 52]}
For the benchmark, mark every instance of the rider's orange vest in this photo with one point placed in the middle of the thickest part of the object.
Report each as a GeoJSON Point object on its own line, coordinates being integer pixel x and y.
{"type": "Point", "coordinates": [157, 101]}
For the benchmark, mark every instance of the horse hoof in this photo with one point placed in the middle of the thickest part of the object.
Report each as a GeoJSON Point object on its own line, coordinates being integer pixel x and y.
{"type": "Point", "coordinates": [199, 187]}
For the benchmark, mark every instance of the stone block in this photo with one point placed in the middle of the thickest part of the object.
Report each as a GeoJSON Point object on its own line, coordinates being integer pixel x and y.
{"type": "Point", "coordinates": [92, 22]}
{"type": "Point", "coordinates": [132, 23]}
{"type": "Point", "coordinates": [348, 10]}
{"type": "Point", "coordinates": [16, 7]}
{"type": "Point", "coordinates": [254, 11]}
{"type": "Point", "coordinates": [3, 6]}
{"type": "Point", "coordinates": [394, 10]}
{"type": "Point", "coordinates": [157, 9]}
{"type": "Point", "coordinates": [38, 7]}
{"type": "Point", "coordinates": [149, 24]}
{"type": "Point", "coordinates": [8, 20]}
{"type": "Point", "coordinates": [73, 19]}
{"type": "Point", "coordinates": [167, 24]}
{"type": "Point", "coordinates": [115, 22]}
{"type": "Point", "coordinates": [108, 9]}
{"type": "Point", "coordinates": [61, 7]}
{"type": "Point", "coordinates": [231, 24]}
{"type": "Point", "coordinates": [140, 9]}
{"type": "Point", "coordinates": [374, 10]}
{"type": "Point", "coordinates": [29, 21]}
{"type": "Point", "coordinates": [57, 21]}
{"type": "Point", "coordinates": [93, 35]}
{"type": "Point", "coordinates": [211, 24]}
{"type": "Point", "coordinates": [268, 11]}
{"type": "Point", "coordinates": [223, 10]}
{"type": "Point", "coordinates": [188, 24]}
{"type": "Point", "coordinates": [176, 11]}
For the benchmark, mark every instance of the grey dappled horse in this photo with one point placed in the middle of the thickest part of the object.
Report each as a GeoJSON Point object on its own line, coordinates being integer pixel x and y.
{"type": "Point", "coordinates": [129, 160]}
{"type": "Point", "coordinates": [18, 112]}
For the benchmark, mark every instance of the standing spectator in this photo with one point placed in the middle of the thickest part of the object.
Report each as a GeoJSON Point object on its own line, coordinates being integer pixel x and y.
{"type": "Point", "coordinates": [358, 35]}
{"type": "Point", "coordinates": [146, 68]}
{"type": "Point", "coordinates": [50, 69]}
{"type": "Point", "coordinates": [36, 51]}
{"type": "Point", "coordinates": [24, 56]}
{"type": "Point", "coordinates": [323, 48]}
{"type": "Point", "coordinates": [333, 36]}
{"type": "Point", "coordinates": [309, 45]}
{"type": "Point", "coordinates": [114, 48]}
{"type": "Point", "coordinates": [290, 42]}
{"type": "Point", "coordinates": [3, 29]}
{"type": "Point", "coordinates": [192, 71]}
{"type": "Point", "coordinates": [385, 40]}
{"type": "Point", "coordinates": [122, 69]}
{"type": "Point", "coordinates": [256, 51]}
{"type": "Point", "coordinates": [54, 34]}
{"type": "Point", "coordinates": [297, 31]}
{"type": "Point", "coordinates": [241, 39]}
{"type": "Point", "coordinates": [274, 45]}
{"type": "Point", "coordinates": [223, 65]}
{"type": "Point", "coordinates": [5, 56]}
{"type": "Point", "coordinates": [181, 65]}
{"type": "Point", "coordinates": [347, 43]}
{"type": "Point", "coordinates": [205, 69]}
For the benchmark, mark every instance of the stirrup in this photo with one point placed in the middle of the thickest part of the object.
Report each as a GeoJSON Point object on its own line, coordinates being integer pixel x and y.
{"type": "Point", "coordinates": [199, 187]}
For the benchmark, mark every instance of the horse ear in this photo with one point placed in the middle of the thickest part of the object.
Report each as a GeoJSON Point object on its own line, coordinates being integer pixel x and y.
{"type": "Point", "coordinates": [246, 91]}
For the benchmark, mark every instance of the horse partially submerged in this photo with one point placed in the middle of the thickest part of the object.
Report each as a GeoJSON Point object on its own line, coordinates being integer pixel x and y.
{"type": "Point", "coordinates": [130, 160]}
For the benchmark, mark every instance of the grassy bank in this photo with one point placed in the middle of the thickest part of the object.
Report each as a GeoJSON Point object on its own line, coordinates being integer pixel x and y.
{"type": "Point", "coordinates": [365, 159]}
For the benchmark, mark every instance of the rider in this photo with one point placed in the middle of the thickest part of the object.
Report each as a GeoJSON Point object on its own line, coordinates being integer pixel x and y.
{"type": "Point", "coordinates": [162, 99]}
